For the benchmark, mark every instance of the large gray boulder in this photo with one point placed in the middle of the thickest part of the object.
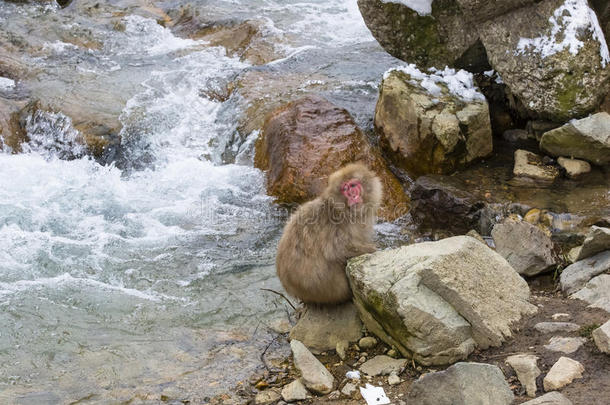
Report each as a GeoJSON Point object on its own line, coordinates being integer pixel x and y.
{"type": "Point", "coordinates": [597, 240]}
{"type": "Point", "coordinates": [588, 139]}
{"type": "Point", "coordinates": [552, 56]}
{"type": "Point", "coordinates": [575, 276]}
{"type": "Point", "coordinates": [525, 246]}
{"type": "Point", "coordinates": [432, 123]}
{"type": "Point", "coordinates": [462, 384]}
{"type": "Point", "coordinates": [435, 301]}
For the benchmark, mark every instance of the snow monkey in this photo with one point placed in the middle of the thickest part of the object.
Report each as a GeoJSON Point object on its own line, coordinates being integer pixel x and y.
{"type": "Point", "coordinates": [324, 233]}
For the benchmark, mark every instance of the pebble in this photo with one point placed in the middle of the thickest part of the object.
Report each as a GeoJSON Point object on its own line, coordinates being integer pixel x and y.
{"type": "Point", "coordinates": [392, 353]}
{"type": "Point", "coordinates": [367, 342]}
{"type": "Point", "coordinates": [349, 389]}
{"type": "Point", "coordinates": [295, 391]}
{"type": "Point", "coordinates": [267, 397]}
{"type": "Point", "coordinates": [393, 379]}
{"type": "Point", "coordinates": [341, 349]}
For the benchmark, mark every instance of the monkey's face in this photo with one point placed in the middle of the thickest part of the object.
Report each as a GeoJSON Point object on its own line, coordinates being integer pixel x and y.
{"type": "Point", "coordinates": [352, 191]}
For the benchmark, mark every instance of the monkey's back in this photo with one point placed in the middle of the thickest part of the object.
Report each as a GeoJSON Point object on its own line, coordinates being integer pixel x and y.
{"type": "Point", "coordinates": [312, 255]}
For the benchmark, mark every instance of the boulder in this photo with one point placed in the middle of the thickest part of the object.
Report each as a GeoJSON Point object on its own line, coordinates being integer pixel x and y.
{"type": "Point", "coordinates": [462, 384]}
{"type": "Point", "coordinates": [527, 248]}
{"type": "Point", "coordinates": [314, 375]}
{"type": "Point", "coordinates": [529, 166]}
{"type": "Point", "coordinates": [574, 168]}
{"type": "Point", "coordinates": [563, 372]}
{"type": "Point", "coordinates": [587, 139]}
{"type": "Point", "coordinates": [321, 328]}
{"type": "Point", "coordinates": [550, 398]}
{"type": "Point", "coordinates": [596, 292]}
{"type": "Point", "coordinates": [434, 301]}
{"type": "Point", "coordinates": [306, 140]}
{"type": "Point", "coordinates": [575, 276]}
{"type": "Point", "coordinates": [434, 123]}
{"type": "Point", "coordinates": [552, 56]}
{"type": "Point", "coordinates": [601, 337]}
{"type": "Point", "coordinates": [527, 371]}
{"type": "Point", "coordinates": [597, 240]}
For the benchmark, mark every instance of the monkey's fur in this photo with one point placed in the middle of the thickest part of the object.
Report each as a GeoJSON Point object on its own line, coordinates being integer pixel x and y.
{"type": "Point", "coordinates": [324, 233]}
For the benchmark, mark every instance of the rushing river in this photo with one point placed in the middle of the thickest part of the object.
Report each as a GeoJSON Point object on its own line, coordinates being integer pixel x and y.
{"type": "Point", "coordinates": [141, 278]}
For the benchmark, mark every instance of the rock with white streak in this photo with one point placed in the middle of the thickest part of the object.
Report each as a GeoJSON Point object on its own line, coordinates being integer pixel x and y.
{"type": "Point", "coordinates": [601, 337]}
{"type": "Point", "coordinates": [565, 344]}
{"type": "Point", "coordinates": [295, 391]}
{"type": "Point", "coordinates": [551, 398]}
{"type": "Point", "coordinates": [553, 327]}
{"type": "Point", "coordinates": [563, 372]}
{"type": "Point", "coordinates": [525, 365]}
{"type": "Point", "coordinates": [314, 375]}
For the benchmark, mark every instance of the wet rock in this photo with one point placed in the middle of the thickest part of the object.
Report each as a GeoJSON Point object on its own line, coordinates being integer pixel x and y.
{"type": "Point", "coordinates": [515, 135]}
{"type": "Point", "coordinates": [551, 398]}
{"type": "Point", "coordinates": [596, 292]}
{"type": "Point", "coordinates": [12, 133]}
{"type": "Point", "coordinates": [425, 128]}
{"type": "Point", "coordinates": [532, 216]}
{"type": "Point", "coordinates": [367, 342]}
{"type": "Point", "coordinates": [295, 391]}
{"type": "Point", "coordinates": [341, 348]}
{"type": "Point", "coordinates": [601, 337]}
{"type": "Point", "coordinates": [597, 240]}
{"type": "Point", "coordinates": [267, 397]}
{"type": "Point", "coordinates": [525, 365]}
{"type": "Point", "coordinates": [382, 365]}
{"type": "Point", "coordinates": [525, 246]}
{"type": "Point", "coordinates": [563, 372]}
{"type": "Point", "coordinates": [565, 345]}
{"type": "Point", "coordinates": [529, 166]}
{"type": "Point", "coordinates": [587, 138]}
{"type": "Point", "coordinates": [551, 79]}
{"type": "Point", "coordinates": [575, 276]}
{"type": "Point", "coordinates": [314, 375]}
{"type": "Point", "coordinates": [304, 141]}
{"type": "Point", "coordinates": [462, 384]}
{"type": "Point", "coordinates": [434, 300]}
{"type": "Point", "coordinates": [321, 328]}
{"type": "Point", "coordinates": [553, 327]}
{"type": "Point", "coordinates": [574, 168]}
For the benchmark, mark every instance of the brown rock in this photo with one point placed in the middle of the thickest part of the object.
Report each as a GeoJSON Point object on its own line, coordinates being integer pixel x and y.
{"type": "Point", "coordinates": [304, 141]}
{"type": "Point", "coordinates": [13, 135]}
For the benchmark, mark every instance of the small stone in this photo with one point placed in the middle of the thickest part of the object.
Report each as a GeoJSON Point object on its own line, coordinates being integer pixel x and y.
{"type": "Point", "coordinates": [382, 365]}
{"type": "Point", "coordinates": [295, 391]}
{"type": "Point", "coordinates": [601, 337]}
{"type": "Point", "coordinates": [393, 379]}
{"type": "Point", "coordinates": [393, 353]}
{"type": "Point", "coordinates": [527, 371]}
{"type": "Point", "coordinates": [349, 389]}
{"type": "Point", "coordinates": [551, 398]}
{"type": "Point", "coordinates": [362, 359]}
{"type": "Point", "coordinates": [532, 216]}
{"type": "Point", "coordinates": [367, 342]}
{"type": "Point", "coordinates": [561, 315]}
{"type": "Point", "coordinates": [364, 354]}
{"type": "Point", "coordinates": [574, 167]}
{"type": "Point", "coordinates": [341, 349]}
{"type": "Point", "coordinates": [267, 397]}
{"type": "Point", "coordinates": [563, 372]}
{"type": "Point", "coordinates": [315, 376]}
{"type": "Point", "coordinates": [573, 254]}
{"type": "Point", "coordinates": [530, 166]}
{"type": "Point", "coordinates": [554, 327]}
{"type": "Point", "coordinates": [565, 344]}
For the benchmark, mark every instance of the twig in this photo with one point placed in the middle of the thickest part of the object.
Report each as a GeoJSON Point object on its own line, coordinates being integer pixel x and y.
{"type": "Point", "coordinates": [281, 295]}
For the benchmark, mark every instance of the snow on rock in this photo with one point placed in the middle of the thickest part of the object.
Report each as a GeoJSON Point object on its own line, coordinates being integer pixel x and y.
{"type": "Point", "coordinates": [422, 7]}
{"type": "Point", "coordinates": [460, 83]}
{"type": "Point", "coordinates": [568, 22]}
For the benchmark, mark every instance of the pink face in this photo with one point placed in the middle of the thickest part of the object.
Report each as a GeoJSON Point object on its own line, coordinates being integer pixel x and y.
{"type": "Point", "coordinates": [352, 190]}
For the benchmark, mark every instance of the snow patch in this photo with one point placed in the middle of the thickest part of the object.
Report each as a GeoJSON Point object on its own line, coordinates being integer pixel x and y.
{"type": "Point", "coordinates": [568, 22]}
{"type": "Point", "coordinates": [459, 83]}
{"type": "Point", "coordinates": [422, 7]}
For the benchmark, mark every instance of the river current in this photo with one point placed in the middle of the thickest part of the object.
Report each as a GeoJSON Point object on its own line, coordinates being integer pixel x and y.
{"type": "Point", "coordinates": [141, 277]}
